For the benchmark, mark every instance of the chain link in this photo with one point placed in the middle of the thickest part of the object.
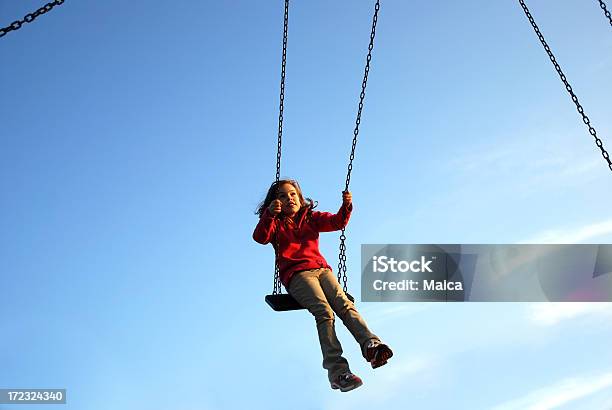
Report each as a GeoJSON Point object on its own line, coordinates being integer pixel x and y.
{"type": "Point", "coordinates": [568, 87]}
{"type": "Point", "coordinates": [605, 10]}
{"type": "Point", "coordinates": [277, 282]}
{"type": "Point", "coordinates": [342, 257]}
{"type": "Point", "coordinates": [16, 25]}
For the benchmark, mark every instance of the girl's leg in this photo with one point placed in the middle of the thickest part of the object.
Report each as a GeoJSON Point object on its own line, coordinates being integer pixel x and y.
{"type": "Point", "coordinates": [346, 310]}
{"type": "Point", "coordinates": [306, 289]}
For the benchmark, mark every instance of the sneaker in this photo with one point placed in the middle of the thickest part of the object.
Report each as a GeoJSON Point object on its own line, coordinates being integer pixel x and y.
{"type": "Point", "coordinates": [377, 353]}
{"type": "Point", "coordinates": [346, 382]}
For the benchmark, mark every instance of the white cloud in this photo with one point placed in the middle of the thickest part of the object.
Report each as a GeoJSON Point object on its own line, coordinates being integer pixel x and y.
{"type": "Point", "coordinates": [549, 313]}
{"type": "Point", "coordinates": [578, 235]}
{"type": "Point", "coordinates": [559, 394]}
{"type": "Point", "coordinates": [389, 382]}
{"type": "Point", "coordinates": [529, 162]}
{"type": "Point", "coordinates": [378, 313]}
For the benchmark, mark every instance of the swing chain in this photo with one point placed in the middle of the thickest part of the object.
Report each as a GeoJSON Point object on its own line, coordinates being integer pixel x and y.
{"type": "Point", "coordinates": [605, 10]}
{"type": "Point", "coordinates": [30, 17]}
{"type": "Point", "coordinates": [342, 263]}
{"type": "Point", "coordinates": [364, 83]}
{"type": "Point", "coordinates": [568, 87]}
{"type": "Point", "coordinates": [277, 283]}
{"type": "Point", "coordinates": [282, 91]}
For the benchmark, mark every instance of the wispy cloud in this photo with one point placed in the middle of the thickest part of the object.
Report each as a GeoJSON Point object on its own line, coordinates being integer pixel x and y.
{"type": "Point", "coordinates": [559, 394]}
{"type": "Point", "coordinates": [573, 235]}
{"type": "Point", "coordinates": [389, 383]}
{"type": "Point", "coordinates": [553, 313]}
{"type": "Point", "coordinates": [378, 313]}
{"type": "Point", "coordinates": [535, 159]}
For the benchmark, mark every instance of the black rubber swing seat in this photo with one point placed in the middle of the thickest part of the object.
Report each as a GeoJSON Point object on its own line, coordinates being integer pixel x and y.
{"type": "Point", "coordinates": [283, 302]}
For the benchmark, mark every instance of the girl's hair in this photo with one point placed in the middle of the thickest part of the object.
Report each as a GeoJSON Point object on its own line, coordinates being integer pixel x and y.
{"type": "Point", "coordinates": [273, 194]}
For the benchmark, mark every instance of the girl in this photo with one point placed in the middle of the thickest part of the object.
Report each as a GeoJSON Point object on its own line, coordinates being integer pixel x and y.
{"type": "Point", "coordinates": [288, 221]}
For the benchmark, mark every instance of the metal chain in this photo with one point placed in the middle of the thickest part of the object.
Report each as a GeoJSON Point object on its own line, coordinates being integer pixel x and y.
{"type": "Point", "coordinates": [277, 282]}
{"type": "Point", "coordinates": [16, 25]}
{"type": "Point", "coordinates": [282, 91]}
{"type": "Point", "coordinates": [605, 10]}
{"type": "Point", "coordinates": [568, 87]}
{"type": "Point", "coordinates": [342, 256]}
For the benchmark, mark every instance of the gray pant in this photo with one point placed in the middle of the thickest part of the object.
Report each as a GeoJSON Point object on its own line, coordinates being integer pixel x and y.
{"type": "Point", "coordinates": [318, 291]}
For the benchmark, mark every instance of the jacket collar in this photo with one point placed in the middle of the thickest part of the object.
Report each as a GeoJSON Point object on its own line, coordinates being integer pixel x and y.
{"type": "Point", "coordinates": [299, 217]}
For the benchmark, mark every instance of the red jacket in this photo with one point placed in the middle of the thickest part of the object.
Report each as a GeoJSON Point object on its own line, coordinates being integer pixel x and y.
{"type": "Point", "coordinates": [298, 243]}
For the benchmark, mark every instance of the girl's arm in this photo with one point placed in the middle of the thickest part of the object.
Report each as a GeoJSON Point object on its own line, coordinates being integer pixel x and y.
{"type": "Point", "coordinates": [265, 229]}
{"type": "Point", "coordinates": [327, 222]}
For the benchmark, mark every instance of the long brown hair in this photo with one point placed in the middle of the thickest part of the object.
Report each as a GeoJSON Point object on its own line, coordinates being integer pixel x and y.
{"type": "Point", "coordinates": [273, 194]}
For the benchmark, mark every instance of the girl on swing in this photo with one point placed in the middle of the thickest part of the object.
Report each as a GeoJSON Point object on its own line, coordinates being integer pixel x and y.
{"type": "Point", "coordinates": [287, 220]}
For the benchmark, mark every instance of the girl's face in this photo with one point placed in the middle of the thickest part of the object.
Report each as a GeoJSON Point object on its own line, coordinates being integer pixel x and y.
{"type": "Point", "coordinates": [290, 200]}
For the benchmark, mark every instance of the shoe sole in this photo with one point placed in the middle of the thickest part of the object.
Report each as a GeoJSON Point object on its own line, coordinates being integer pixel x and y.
{"type": "Point", "coordinates": [381, 356]}
{"type": "Point", "coordinates": [345, 389]}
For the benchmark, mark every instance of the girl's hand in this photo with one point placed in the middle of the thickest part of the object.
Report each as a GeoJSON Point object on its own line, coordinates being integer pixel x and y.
{"type": "Point", "coordinates": [347, 198]}
{"type": "Point", "coordinates": [275, 207]}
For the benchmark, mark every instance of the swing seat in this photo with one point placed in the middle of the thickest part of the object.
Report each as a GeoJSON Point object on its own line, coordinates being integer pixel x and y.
{"type": "Point", "coordinates": [283, 302]}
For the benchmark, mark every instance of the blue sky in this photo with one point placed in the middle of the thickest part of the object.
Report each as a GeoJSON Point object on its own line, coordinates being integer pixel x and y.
{"type": "Point", "coordinates": [139, 137]}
